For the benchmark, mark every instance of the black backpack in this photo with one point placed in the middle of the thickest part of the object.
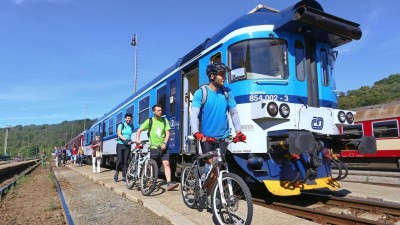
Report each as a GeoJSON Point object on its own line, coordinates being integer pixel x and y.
{"type": "Point", "coordinates": [151, 124]}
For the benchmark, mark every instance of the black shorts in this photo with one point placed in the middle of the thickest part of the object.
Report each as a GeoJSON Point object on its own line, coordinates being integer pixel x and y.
{"type": "Point", "coordinates": [159, 155]}
{"type": "Point", "coordinates": [209, 146]}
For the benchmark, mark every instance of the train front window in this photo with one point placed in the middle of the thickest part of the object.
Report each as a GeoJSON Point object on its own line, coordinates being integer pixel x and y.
{"type": "Point", "coordinates": [258, 59]}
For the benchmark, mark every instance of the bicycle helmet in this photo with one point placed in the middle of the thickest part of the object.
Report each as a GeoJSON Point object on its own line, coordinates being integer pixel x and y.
{"type": "Point", "coordinates": [214, 68]}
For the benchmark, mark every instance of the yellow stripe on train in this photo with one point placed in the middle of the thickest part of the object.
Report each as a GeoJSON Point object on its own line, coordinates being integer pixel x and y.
{"type": "Point", "coordinates": [282, 188]}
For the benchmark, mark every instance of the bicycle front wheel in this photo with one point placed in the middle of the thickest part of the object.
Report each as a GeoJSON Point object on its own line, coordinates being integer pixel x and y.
{"type": "Point", "coordinates": [188, 186]}
{"type": "Point", "coordinates": [148, 178]}
{"type": "Point", "coordinates": [131, 174]}
{"type": "Point", "coordinates": [239, 203]}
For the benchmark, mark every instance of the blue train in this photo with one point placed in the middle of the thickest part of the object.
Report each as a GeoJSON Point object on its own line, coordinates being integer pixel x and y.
{"type": "Point", "coordinates": [283, 81]}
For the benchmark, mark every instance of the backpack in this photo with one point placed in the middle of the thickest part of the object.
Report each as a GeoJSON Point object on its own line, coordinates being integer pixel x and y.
{"type": "Point", "coordinates": [205, 93]}
{"type": "Point", "coordinates": [151, 124]}
{"type": "Point", "coordinates": [122, 128]}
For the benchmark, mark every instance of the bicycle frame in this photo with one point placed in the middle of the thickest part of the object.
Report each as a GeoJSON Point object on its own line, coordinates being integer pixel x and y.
{"type": "Point", "coordinates": [216, 164]}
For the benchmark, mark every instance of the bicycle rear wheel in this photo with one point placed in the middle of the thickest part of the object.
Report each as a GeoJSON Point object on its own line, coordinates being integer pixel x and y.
{"type": "Point", "coordinates": [131, 174]}
{"type": "Point", "coordinates": [148, 177]}
{"type": "Point", "coordinates": [188, 185]}
{"type": "Point", "coordinates": [239, 204]}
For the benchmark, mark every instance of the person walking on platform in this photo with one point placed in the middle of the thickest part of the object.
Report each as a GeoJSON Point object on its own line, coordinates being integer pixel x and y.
{"type": "Point", "coordinates": [57, 156]}
{"type": "Point", "coordinates": [80, 155]}
{"type": "Point", "coordinates": [74, 152]}
{"type": "Point", "coordinates": [43, 156]}
{"type": "Point", "coordinates": [96, 154]}
{"type": "Point", "coordinates": [158, 127]}
{"type": "Point", "coordinates": [64, 155]}
{"type": "Point", "coordinates": [124, 132]}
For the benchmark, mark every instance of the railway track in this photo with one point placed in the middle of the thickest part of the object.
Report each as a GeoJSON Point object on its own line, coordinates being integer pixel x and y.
{"type": "Point", "coordinates": [325, 209]}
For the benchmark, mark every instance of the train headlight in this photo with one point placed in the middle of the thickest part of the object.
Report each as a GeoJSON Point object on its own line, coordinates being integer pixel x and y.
{"type": "Point", "coordinates": [341, 117]}
{"type": "Point", "coordinates": [284, 110]}
{"type": "Point", "coordinates": [272, 109]}
{"type": "Point", "coordinates": [350, 117]}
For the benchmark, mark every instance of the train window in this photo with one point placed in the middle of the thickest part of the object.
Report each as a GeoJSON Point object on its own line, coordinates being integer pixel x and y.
{"type": "Point", "coordinates": [111, 126]}
{"type": "Point", "coordinates": [130, 110]}
{"type": "Point", "coordinates": [385, 129]}
{"type": "Point", "coordinates": [216, 58]}
{"type": "Point", "coordinates": [162, 98]}
{"type": "Point", "coordinates": [258, 59]}
{"type": "Point", "coordinates": [353, 129]}
{"type": "Point", "coordinates": [172, 100]}
{"type": "Point", "coordinates": [104, 128]}
{"type": "Point", "coordinates": [118, 120]}
{"type": "Point", "coordinates": [144, 106]}
{"type": "Point", "coordinates": [300, 58]}
{"type": "Point", "coordinates": [324, 66]}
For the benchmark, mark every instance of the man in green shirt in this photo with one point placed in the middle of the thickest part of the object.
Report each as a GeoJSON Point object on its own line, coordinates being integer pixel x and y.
{"type": "Point", "coordinates": [159, 135]}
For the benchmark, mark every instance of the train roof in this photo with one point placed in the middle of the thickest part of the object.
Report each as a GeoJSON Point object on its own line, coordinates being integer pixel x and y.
{"type": "Point", "coordinates": [376, 112]}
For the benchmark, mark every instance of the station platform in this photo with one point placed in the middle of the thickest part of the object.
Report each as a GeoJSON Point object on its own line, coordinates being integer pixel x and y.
{"type": "Point", "coordinates": [169, 204]}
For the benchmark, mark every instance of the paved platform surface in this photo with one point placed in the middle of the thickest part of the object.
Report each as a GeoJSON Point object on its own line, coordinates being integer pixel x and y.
{"type": "Point", "coordinates": [368, 191]}
{"type": "Point", "coordinates": [169, 204]}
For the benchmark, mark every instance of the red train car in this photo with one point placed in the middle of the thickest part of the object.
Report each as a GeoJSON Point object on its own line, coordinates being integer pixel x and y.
{"type": "Point", "coordinates": [381, 121]}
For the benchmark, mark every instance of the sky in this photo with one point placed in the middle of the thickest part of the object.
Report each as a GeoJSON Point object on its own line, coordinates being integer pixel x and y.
{"type": "Point", "coordinates": [70, 59]}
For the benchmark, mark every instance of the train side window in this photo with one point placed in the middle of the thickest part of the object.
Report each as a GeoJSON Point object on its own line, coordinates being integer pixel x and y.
{"type": "Point", "coordinates": [385, 129]}
{"type": "Point", "coordinates": [324, 66]}
{"type": "Point", "coordinates": [217, 58]}
{"type": "Point", "coordinates": [300, 58]}
{"type": "Point", "coordinates": [162, 98]}
{"type": "Point", "coordinates": [353, 129]}
{"type": "Point", "coordinates": [144, 106]}
{"type": "Point", "coordinates": [130, 110]}
{"type": "Point", "coordinates": [104, 128]}
{"type": "Point", "coordinates": [111, 126]}
{"type": "Point", "coordinates": [172, 100]}
{"type": "Point", "coordinates": [118, 120]}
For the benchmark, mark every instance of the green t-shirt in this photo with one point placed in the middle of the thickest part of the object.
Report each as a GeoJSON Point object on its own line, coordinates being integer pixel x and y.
{"type": "Point", "coordinates": [157, 133]}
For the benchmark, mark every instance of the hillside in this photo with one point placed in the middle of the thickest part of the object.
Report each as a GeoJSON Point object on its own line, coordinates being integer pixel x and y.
{"type": "Point", "coordinates": [33, 138]}
{"type": "Point", "coordinates": [383, 91]}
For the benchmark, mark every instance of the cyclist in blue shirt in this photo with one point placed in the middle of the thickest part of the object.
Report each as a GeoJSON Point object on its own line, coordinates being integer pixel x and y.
{"type": "Point", "coordinates": [213, 112]}
{"type": "Point", "coordinates": [124, 132]}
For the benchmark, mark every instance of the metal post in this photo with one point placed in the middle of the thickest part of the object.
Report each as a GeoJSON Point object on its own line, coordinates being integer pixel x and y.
{"type": "Point", "coordinates": [133, 43]}
{"type": "Point", "coordinates": [5, 140]}
{"type": "Point", "coordinates": [84, 121]}
{"type": "Point", "coordinates": [65, 138]}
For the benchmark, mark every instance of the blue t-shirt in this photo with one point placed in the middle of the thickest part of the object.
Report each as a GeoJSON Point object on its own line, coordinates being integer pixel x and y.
{"type": "Point", "coordinates": [214, 116]}
{"type": "Point", "coordinates": [126, 132]}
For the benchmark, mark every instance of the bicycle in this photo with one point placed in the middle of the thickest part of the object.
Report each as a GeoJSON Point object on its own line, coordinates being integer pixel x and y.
{"type": "Point", "coordinates": [231, 200]}
{"type": "Point", "coordinates": [143, 167]}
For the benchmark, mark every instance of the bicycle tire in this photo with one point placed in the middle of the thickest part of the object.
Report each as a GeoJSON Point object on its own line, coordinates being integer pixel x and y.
{"type": "Point", "coordinates": [188, 182]}
{"type": "Point", "coordinates": [130, 174]}
{"type": "Point", "coordinates": [148, 177]}
{"type": "Point", "coordinates": [229, 214]}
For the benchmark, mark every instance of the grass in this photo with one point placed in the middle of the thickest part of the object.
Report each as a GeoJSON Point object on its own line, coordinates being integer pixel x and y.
{"type": "Point", "coordinates": [53, 206]}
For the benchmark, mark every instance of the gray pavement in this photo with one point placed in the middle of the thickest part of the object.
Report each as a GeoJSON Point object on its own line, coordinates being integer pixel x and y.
{"type": "Point", "coordinates": [169, 204]}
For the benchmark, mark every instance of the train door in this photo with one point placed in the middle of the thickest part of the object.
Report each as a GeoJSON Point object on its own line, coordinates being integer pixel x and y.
{"type": "Point", "coordinates": [173, 94]}
{"type": "Point", "coordinates": [327, 86]}
{"type": "Point", "coordinates": [190, 81]}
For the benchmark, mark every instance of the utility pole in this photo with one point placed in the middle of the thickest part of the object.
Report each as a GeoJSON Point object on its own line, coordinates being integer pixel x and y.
{"type": "Point", "coordinates": [5, 140]}
{"type": "Point", "coordinates": [133, 43]}
{"type": "Point", "coordinates": [84, 121]}
{"type": "Point", "coordinates": [65, 138]}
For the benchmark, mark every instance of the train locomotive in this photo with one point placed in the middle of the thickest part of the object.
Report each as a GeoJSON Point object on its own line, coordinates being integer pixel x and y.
{"type": "Point", "coordinates": [282, 77]}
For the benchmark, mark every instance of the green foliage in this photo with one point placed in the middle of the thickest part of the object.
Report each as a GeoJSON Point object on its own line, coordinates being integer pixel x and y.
{"type": "Point", "coordinates": [32, 139]}
{"type": "Point", "coordinates": [383, 91]}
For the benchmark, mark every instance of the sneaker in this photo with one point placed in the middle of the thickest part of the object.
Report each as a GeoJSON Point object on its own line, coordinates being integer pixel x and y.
{"type": "Point", "coordinates": [123, 179]}
{"type": "Point", "coordinates": [116, 177]}
{"type": "Point", "coordinates": [171, 186]}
